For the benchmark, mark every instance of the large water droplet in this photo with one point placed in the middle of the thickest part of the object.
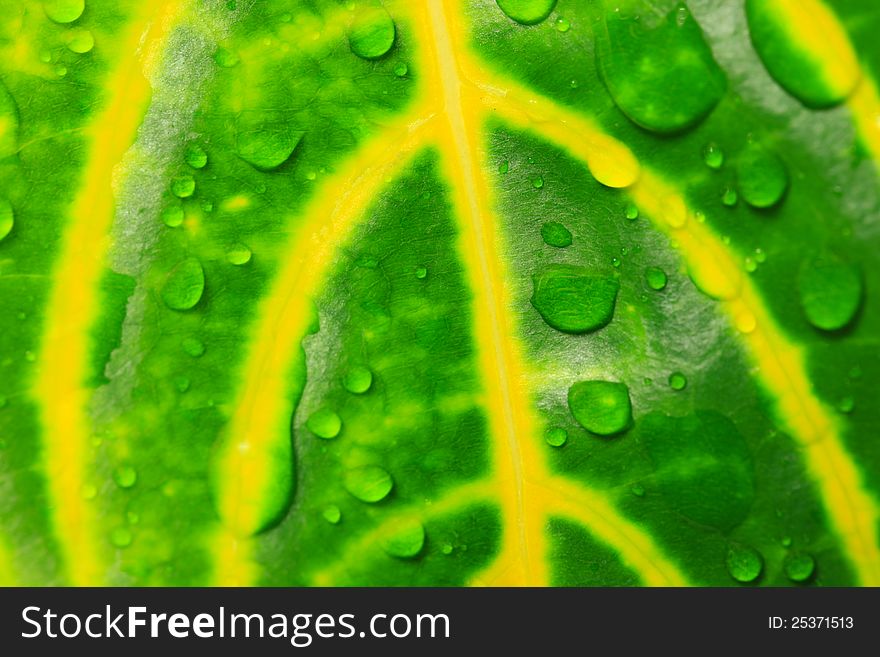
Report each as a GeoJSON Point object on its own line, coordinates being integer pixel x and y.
{"type": "Point", "coordinates": [185, 285]}
{"type": "Point", "coordinates": [555, 234]}
{"type": "Point", "coordinates": [358, 379]}
{"type": "Point", "coordinates": [195, 156]}
{"type": "Point", "coordinates": [7, 218]}
{"type": "Point", "coordinates": [799, 566]}
{"type": "Point", "coordinates": [125, 476]}
{"type": "Point", "coordinates": [574, 300]}
{"type": "Point", "coordinates": [238, 254]}
{"type": "Point", "coordinates": [830, 291]}
{"type": "Point", "coordinates": [677, 381]}
{"type": "Point", "coordinates": [744, 563]}
{"type": "Point", "coordinates": [324, 423]}
{"type": "Point", "coordinates": [660, 72]}
{"type": "Point", "coordinates": [183, 186]}
{"type": "Point", "coordinates": [556, 436]}
{"type": "Point", "coordinates": [405, 540]}
{"type": "Point", "coordinates": [369, 483]}
{"type": "Point", "coordinates": [760, 176]}
{"type": "Point", "coordinates": [372, 33]}
{"type": "Point", "coordinates": [172, 216]}
{"type": "Point", "coordinates": [656, 278]}
{"type": "Point", "coordinates": [602, 407]}
{"type": "Point", "coordinates": [80, 41]}
{"type": "Point", "coordinates": [64, 11]}
{"type": "Point", "coordinates": [805, 48]}
{"type": "Point", "coordinates": [268, 144]}
{"type": "Point", "coordinates": [527, 12]}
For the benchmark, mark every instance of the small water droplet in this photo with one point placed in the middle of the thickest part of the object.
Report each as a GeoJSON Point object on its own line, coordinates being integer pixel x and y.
{"type": "Point", "coordinates": [421, 272]}
{"type": "Point", "coordinates": [30, 356]}
{"type": "Point", "coordinates": [401, 69]}
{"type": "Point", "coordinates": [556, 234]}
{"type": "Point", "coordinates": [183, 186]}
{"type": "Point", "coordinates": [121, 537]}
{"type": "Point", "coordinates": [538, 182]}
{"type": "Point", "coordinates": [125, 476]}
{"type": "Point", "coordinates": [656, 278]}
{"type": "Point", "coordinates": [562, 25]}
{"type": "Point", "coordinates": [172, 216]}
{"type": "Point", "coordinates": [193, 347]}
{"type": "Point", "coordinates": [332, 514]}
{"type": "Point", "coordinates": [638, 490]}
{"type": "Point", "coordinates": [80, 41]}
{"type": "Point", "coordinates": [372, 33]}
{"type": "Point", "coordinates": [526, 12]}
{"type": "Point", "coordinates": [574, 300]}
{"type": "Point", "coordinates": [7, 216]}
{"type": "Point", "coordinates": [760, 256]}
{"type": "Point", "coordinates": [846, 405]}
{"type": "Point", "coordinates": [369, 483]}
{"type": "Point", "coordinates": [830, 291]}
{"type": "Point", "coordinates": [713, 156]}
{"type": "Point", "coordinates": [745, 322]}
{"type": "Point", "coordinates": [358, 380]}
{"type": "Point", "coordinates": [446, 548]}
{"type": "Point", "coordinates": [238, 254]}
{"type": "Point", "coordinates": [632, 212]}
{"type": "Point", "coordinates": [181, 383]}
{"type": "Point", "coordinates": [729, 197]}
{"type": "Point", "coordinates": [799, 566]}
{"type": "Point", "coordinates": [786, 541]}
{"type": "Point", "coordinates": [64, 11]}
{"type": "Point", "coordinates": [404, 540]}
{"type": "Point", "coordinates": [324, 423]}
{"type": "Point", "coordinates": [195, 156]}
{"type": "Point", "coordinates": [744, 563]}
{"type": "Point", "coordinates": [556, 436]}
{"type": "Point", "coordinates": [615, 261]}
{"type": "Point", "coordinates": [677, 381]}
{"type": "Point", "coordinates": [602, 407]}
{"type": "Point", "coordinates": [761, 176]}
{"type": "Point", "coordinates": [266, 141]}
{"type": "Point", "coordinates": [750, 264]}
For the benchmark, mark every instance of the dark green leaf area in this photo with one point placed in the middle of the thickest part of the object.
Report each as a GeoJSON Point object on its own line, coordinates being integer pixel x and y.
{"type": "Point", "coordinates": [578, 559]}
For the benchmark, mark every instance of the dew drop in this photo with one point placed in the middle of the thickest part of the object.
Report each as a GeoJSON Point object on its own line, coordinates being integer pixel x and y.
{"type": "Point", "coordinates": [238, 254]}
{"type": "Point", "coordinates": [401, 69]}
{"type": "Point", "coordinates": [358, 379]}
{"type": "Point", "coordinates": [526, 12]}
{"type": "Point", "coordinates": [656, 278]}
{"type": "Point", "coordinates": [745, 322]}
{"type": "Point", "coordinates": [369, 483]}
{"type": "Point", "coordinates": [405, 540]}
{"type": "Point", "coordinates": [562, 25]}
{"type": "Point", "coordinates": [80, 41]}
{"type": "Point", "coordinates": [744, 563]}
{"type": "Point", "coordinates": [830, 291]}
{"type": "Point", "coordinates": [324, 423]}
{"type": "Point", "coordinates": [786, 541]}
{"type": "Point", "coordinates": [632, 212]}
{"type": "Point", "coordinates": [182, 384]}
{"type": "Point", "coordinates": [195, 156]}
{"type": "Point", "coordinates": [799, 566]}
{"type": "Point", "coordinates": [677, 381]}
{"type": "Point", "coordinates": [446, 548]}
{"type": "Point", "coordinates": [125, 476]}
{"type": "Point", "coordinates": [193, 347]}
{"type": "Point", "coordinates": [760, 256]}
{"type": "Point", "coordinates": [372, 33]}
{"type": "Point", "coordinates": [121, 537]}
{"type": "Point", "coordinates": [183, 186]}
{"type": "Point", "coordinates": [268, 144]}
{"type": "Point", "coordinates": [538, 182]}
{"type": "Point", "coordinates": [556, 437]}
{"type": "Point", "coordinates": [729, 197]}
{"type": "Point", "coordinates": [615, 261]}
{"type": "Point", "coordinates": [185, 285]}
{"type": "Point", "coordinates": [504, 167]}
{"type": "Point", "coordinates": [713, 156]}
{"type": "Point", "coordinates": [332, 514]}
{"type": "Point", "coordinates": [172, 216]}
{"type": "Point", "coordinates": [64, 11]}
{"type": "Point", "coordinates": [761, 177]}
{"type": "Point", "coordinates": [574, 300]}
{"type": "Point", "coordinates": [750, 264]}
{"type": "Point", "coordinates": [638, 490]}
{"type": "Point", "coordinates": [602, 407]}
{"type": "Point", "coordinates": [7, 215]}
{"type": "Point", "coordinates": [555, 234]}
{"type": "Point", "coordinates": [421, 272]}
{"type": "Point", "coordinates": [846, 405]}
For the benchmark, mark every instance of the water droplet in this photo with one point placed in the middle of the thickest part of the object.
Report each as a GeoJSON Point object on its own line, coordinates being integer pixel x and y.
{"type": "Point", "coordinates": [121, 537]}
{"type": "Point", "coordinates": [64, 11]}
{"type": "Point", "coordinates": [372, 33]}
{"type": "Point", "coordinates": [750, 264]}
{"type": "Point", "coordinates": [677, 381]}
{"type": "Point", "coordinates": [358, 379]}
{"type": "Point", "coordinates": [324, 423]}
{"type": "Point", "coordinates": [238, 254]}
{"type": "Point", "coordinates": [7, 214]}
{"type": "Point", "coordinates": [183, 186]}
{"type": "Point", "coordinates": [656, 278]}
{"type": "Point", "coordinates": [185, 285]}
{"type": "Point", "coordinates": [830, 291]}
{"type": "Point", "coordinates": [447, 548]}
{"type": "Point", "coordinates": [538, 182]}
{"type": "Point", "coordinates": [820, 71]}
{"type": "Point", "coordinates": [504, 167]}
{"type": "Point", "coordinates": [401, 69]}
{"type": "Point", "coordinates": [632, 212]}
{"type": "Point", "coordinates": [556, 437]}
{"type": "Point", "coordinates": [562, 25]}
{"type": "Point", "coordinates": [638, 490]}
{"type": "Point", "coordinates": [744, 563]}
{"type": "Point", "coordinates": [369, 483]}
{"type": "Point", "coordinates": [846, 405]}
{"type": "Point", "coordinates": [405, 540]}
{"type": "Point", "coordinates": [713, 156]}
{"type": "Point", "coordinates": [574, 300]}
{"type": "Point", "coordinates": [661, 74]}
{"type": "Point", "coordinates": [60, 70]}
{"type": "Point", "coordinates": [615, 261]}
{"type": "Point", "coordinates": [172, 216]}
{"type": "Point", "coordinates": [555, 234]}
{"type": "Point", "coordinates": [193, 347]}
{"type": "Point", "coordinates": [332, 514]}
{"type": "Point", "coordinates": [761, 177]}
{"type": "Point", "coordinates": [760, 256]}
{"type": "Point", "coordinates": [786, 541]}
{"type": "Point", "coordinates": [89, 492]}
{"type": "Point", "coordinates": [125, 476]}
{"type": "Point", "coordinates": [526, 12]}
{"type": "Point", "coordinates": [729, 197]}
{"type": "Point", "coordinates": [30, 356]}
{"type": "Point", "coordinates": [602, 407]}
{"type": "Point", "coordinates": [421, 272]}
{"type": "Point", "coordinates": [80, 41]}
{"type": "Point", "coordinates": [267, 144]}
{"type": "Point", "coordinates": [225, 58]}
{"type": "Point", "coordinates": [181, 383]}
{"type": "Point", "coordinates": [799, 566]}
{"type": "Point", "coordinates": [745, 322]}
{"type": "Point", "coordinates": [195, 156]}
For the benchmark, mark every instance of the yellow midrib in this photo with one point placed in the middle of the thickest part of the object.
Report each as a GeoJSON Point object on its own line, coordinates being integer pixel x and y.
{"type": "Point", "coordinates": [60, 385]}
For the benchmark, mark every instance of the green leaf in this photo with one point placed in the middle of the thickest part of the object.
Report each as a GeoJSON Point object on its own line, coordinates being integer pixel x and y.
{"type": "Point", "coordinates": [439, 293]}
